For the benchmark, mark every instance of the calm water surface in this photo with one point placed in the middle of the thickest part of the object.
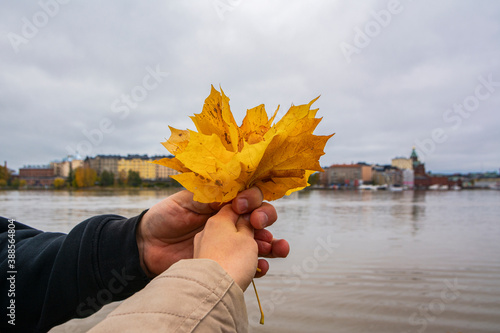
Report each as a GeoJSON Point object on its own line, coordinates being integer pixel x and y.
{"type": "Point", "coordinates": [359, 261]}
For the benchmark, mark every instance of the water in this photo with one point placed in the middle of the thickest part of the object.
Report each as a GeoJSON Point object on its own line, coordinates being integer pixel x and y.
{"type": "Point", "coordinates": [359, 261]}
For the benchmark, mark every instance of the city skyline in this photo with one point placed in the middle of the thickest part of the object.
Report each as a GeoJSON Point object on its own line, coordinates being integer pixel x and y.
{"type": "Point", "coordinates": [146, 156]}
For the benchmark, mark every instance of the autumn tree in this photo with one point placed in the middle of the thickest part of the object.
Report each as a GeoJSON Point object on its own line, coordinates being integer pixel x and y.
{"type": "Point", "coordinates": [59, 182]}
{"type": "Point", "coordinates": [4, 174]}
{"type": "Point", "coordinates": [85, 177]}
{"type": "Point", "coordinates": [122, 178]}
{"type": "Point", "coordinates": [18, 183]}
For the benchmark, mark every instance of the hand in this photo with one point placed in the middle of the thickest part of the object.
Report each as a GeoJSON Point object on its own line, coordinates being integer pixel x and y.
{"type": "Point", "coordinates": [228, 239]}
{"type": "Point", "coordinates": [166, 232]}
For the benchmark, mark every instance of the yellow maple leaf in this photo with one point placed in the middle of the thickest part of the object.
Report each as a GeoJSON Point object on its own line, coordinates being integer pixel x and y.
{"type": "Point", "coordinates": [222, 158]}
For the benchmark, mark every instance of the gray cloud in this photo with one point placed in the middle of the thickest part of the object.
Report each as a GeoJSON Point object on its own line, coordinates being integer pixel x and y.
{"type": "Point", "coordinates": [392, 95]}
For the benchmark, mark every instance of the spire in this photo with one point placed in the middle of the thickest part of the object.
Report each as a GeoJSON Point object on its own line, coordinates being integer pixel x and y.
{"type": "Point", "coordinates": [414, 158]}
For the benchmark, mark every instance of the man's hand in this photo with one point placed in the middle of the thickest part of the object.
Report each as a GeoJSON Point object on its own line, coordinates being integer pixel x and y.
{"type": "Point", "coordinates": [166, 232]}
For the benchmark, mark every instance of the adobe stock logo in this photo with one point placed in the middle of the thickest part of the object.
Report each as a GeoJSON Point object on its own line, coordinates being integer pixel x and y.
{"type": "Point", "coordinates": [31, 27]}
{"type": "Point", "coordinates": [457, 114]}
{"type": "Point", "coordinates": [371, 29]}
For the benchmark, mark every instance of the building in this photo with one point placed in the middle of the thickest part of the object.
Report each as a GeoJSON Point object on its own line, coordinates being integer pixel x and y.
{"type": "Point", "coordinates": [68, 164]}
{"type": "Point", "coordinates": [102, 163]}
{"type": "Point", "coordinates": [348, 174]}
{"type": "Point", "coordinates": [37, 175]}
{"type": "Point", "coordinates": [424, 180]}
{"type": "Point", "coordinates": [118, 164]}
{"type": "Point", "coordinates": [408, 179]}
{"type": "Point", "coordinates": [387, 175]}
{"type": "Point", "coordinates": [163, 172]}
{"type": "Point", "coordinates": [402, 163]}
{"type": "Point", "coordinates": [139, 164]}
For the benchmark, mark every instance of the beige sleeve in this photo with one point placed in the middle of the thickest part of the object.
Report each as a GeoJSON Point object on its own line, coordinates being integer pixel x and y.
{"type": "Point", "coordinates": [194, 295]}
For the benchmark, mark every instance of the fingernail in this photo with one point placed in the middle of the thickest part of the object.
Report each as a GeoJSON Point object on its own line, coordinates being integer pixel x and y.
{"type": "Point", "coordinates": [263, 219]}
{"type": "Point", "coordinates": [242, 205]}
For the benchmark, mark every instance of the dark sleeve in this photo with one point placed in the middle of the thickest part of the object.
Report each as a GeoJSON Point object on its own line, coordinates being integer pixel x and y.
{"type": "Point", "coordinates": [57, 277]}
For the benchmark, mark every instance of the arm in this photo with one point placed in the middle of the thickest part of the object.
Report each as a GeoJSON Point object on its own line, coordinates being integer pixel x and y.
{"type": "Point", "coordinates": [104, 258]}
{"type": "Point", "coordinates": [204, 294]}
{"type": "Point", "coordinates": [192, 295]}
{"type": "Point", "coordinates": [61, 276]}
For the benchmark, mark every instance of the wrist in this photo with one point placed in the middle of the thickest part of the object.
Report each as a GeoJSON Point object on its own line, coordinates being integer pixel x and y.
{"type": "Point", "coordinates": [141, 246]}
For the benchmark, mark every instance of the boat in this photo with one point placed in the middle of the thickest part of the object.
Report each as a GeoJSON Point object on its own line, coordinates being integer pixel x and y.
{"type": "Point", "coordinates": [395, 188]}
{"type": "Point", "coordinates": [495, 186]}
{"type": "Point", "coordinates": [367, 187]}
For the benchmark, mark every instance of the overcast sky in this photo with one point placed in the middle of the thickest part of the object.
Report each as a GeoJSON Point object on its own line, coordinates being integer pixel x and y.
{"type": "Point", "coordinates": [108, 77]}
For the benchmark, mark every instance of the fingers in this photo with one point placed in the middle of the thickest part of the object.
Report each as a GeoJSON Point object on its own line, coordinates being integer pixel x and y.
{"type": "Point", "coordinates": [263, 235]}
{"type": "Point", "coordinates": [185, 200]}
{"type": "Point", "coordinates": [263, 266]}
{"type": "Point", "coordinates": [263, 216]}
{"type": "Point", "coordinates": [243, 225]}
{"type": "Point", "coordinates": [270, 247]}
{"type": "Point", "coordinates": [247, 200]}
{"type": "Point", "coordinates": [280, 248]}
{"type": "Point", "coordinates": [226, 215]}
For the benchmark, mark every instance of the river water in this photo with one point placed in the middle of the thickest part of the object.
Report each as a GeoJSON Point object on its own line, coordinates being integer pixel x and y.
{"type": "Point", "coordinates": [359, 262]}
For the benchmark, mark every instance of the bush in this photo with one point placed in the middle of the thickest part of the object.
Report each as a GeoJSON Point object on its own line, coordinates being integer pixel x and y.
{"type": "Point", "coordinates": [59, 183]}
{"type": "Point", "coordinates": [134, 179]}
{"type": "Point", "coordinates": [107, 178]}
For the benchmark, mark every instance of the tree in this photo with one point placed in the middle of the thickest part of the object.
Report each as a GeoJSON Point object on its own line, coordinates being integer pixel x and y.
{"type": "Point", "coordinates": [134, 179]}
{"type": "Point", "coordinates": [18, 183]}
{"type": "Point", "coordinates": [3, 183]}
{"type": "Point", "coordinates": [71, 177]}
{"type": "Point", "coordinates": [107, 178]}
{"type": "Point", "coordinates": [314, 179]}
{"type": "Point", "coordinates": [85, 177]}
{"type": "Point", "coordinates": [59, 182]}
{"type": "Point", "coordinates": [122, 178]}
{"type": "Point", "coordinates": [4, 174]}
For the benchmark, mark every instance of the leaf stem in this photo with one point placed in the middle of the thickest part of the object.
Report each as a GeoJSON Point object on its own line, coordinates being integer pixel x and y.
{"type": "Point", "coordinates": [258, 301]}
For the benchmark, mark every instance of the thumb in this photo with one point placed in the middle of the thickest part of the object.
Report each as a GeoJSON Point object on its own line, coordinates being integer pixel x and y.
{"type": "Point", "coordinates": [244, 226]}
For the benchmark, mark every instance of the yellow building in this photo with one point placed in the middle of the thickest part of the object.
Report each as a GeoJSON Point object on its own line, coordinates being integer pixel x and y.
{"type": "Point", "coordinates": [137, 163]}
{"type": "Point", "coordinates": [146, 170]}
{"type": "Point", "coordinates": [163, 172]}
{"type": "Point", "coordinates": [402, 163]}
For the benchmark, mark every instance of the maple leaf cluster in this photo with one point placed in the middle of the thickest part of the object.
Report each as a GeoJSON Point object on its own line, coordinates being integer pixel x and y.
{"type": "Point", "coordinates": [223, 159]}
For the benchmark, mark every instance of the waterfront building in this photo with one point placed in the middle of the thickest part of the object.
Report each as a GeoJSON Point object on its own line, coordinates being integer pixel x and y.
{"type": "Point", "coordinates": [408, 179]}
{"type": "Point", "coordinates": [163, 172]}
{"type": "Point", "coordinates": [402, 163]}
{"type": "Point", "coordinates": [64, 167]}
{"type": "Point", "coordinates": [387, 175]}
{"type": "Point", "coordinates": [424, 180]}
{"type": "Point", "coordinates": [139, 164]}
{"type": "Point", "coordinates": [37, 175]}
{"type": "Point", "coordinates": [118, 164]}
{"type": "Point", "coordinates": [102, 163]}
{"type": "Point", "coordinates": [348, 174]}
